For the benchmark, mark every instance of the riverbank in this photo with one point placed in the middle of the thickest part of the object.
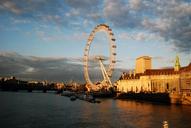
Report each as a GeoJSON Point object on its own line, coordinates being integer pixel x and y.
{"type": "Point", "coordinates": [151, 97]}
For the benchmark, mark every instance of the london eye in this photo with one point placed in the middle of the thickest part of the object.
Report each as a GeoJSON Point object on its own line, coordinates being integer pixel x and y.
{"type": "Point", "coordinates": [106, 71]}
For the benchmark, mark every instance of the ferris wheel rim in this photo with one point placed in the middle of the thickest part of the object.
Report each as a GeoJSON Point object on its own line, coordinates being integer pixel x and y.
{"type": "Point", "coordinates": [112, 61]}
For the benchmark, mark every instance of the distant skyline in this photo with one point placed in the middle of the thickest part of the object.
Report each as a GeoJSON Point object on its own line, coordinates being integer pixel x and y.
{"type": "Point", "coordinates": [45, 39]}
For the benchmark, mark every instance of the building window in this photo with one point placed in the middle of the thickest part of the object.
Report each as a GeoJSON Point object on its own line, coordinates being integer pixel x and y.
{"type": "Point", "coordinates": [141, 88]}
{"type": "Point", "coordinates": [136, 89]}
{"type": "Point", "coordinates": [167, 86]}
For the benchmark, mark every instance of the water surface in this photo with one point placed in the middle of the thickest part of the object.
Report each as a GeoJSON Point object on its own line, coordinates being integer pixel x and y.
{"type": "Point", "coordinates": [48, 110]}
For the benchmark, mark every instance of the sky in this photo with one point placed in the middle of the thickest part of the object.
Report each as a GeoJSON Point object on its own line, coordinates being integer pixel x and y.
{"type": "Point", "coordinates": [45, 39]}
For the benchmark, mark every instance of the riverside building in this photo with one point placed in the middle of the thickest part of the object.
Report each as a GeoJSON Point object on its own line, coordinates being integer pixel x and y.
{"type": "Point", "coordinates": [176, 80]}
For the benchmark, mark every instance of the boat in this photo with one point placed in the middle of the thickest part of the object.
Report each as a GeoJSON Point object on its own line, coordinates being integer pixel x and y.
{"type": "Point", "coordinates": [68, 94]}
{"type": "Point", "coordinates": [88, 97]}
{"type": "Point", "coordinates": [73, 98]}
{"type": "Point", "coordinates": [106, 94]}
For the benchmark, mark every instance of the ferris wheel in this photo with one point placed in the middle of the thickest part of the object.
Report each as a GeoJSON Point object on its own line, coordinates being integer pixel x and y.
{"type": "Point", "coordinates": [106, 71]}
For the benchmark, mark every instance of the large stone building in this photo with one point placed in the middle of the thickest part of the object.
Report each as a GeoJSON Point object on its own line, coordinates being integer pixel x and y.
{"type": "Point", "coordinates": [146, 79]}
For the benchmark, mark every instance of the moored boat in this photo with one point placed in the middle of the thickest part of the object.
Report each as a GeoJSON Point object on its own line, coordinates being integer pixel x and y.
{"type": "Point", "coordinates": [72, 98]}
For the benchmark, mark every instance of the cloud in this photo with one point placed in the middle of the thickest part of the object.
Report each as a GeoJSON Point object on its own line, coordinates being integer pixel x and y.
{"type": "Point", "coordinates": [45, 36]}
{"type": "Point", "coordinates": [10, 6]}
{"type": "Point", "coordinates": [119, 14]}
{"type": "Point", "coordinates": [169, 19]}
{"type": "Point", "coordinates": [73, 15]}
{"type": "Point", "coordinates": [139, 36]}
{"type": "Point", "coordinates": [135, 4]}
{"type": "Point", "coordinates": [40, 68]}
{"type": "Point", "coordinates": [36, 11]}
{"type": "Point", "coordinates": [83, 4]}
{"type": "Point", "coordinates": [45, 68]}
{"type": "Point", "coordinates": [175, 24]}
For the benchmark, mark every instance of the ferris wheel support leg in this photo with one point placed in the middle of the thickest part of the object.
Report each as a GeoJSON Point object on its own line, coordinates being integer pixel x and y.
{"type": "Point", "coordinates": [106, 78]}
{"type": "Point", "coordinates": [103, 73]}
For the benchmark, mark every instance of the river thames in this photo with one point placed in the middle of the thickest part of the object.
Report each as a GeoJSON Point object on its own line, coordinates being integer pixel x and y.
{"type": "Point", "coordinates": [48, 110]}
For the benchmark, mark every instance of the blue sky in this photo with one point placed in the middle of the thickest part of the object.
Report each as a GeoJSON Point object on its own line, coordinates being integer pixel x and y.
{"type": "Point", "coordinates": [58, 30]}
